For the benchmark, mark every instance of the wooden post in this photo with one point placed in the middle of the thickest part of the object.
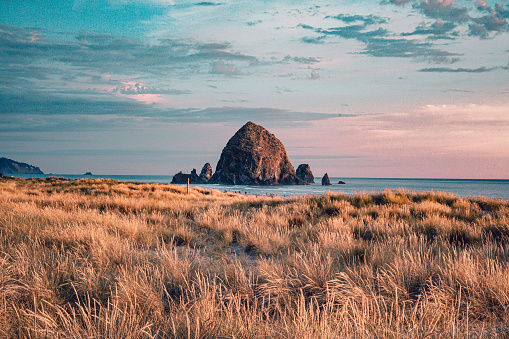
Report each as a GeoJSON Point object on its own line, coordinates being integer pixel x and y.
{"type": "Point", "coordinates": [187, 185]}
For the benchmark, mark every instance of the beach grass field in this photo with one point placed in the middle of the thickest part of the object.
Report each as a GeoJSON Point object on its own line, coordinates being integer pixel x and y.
{"type": "Point", "coordinates": [96, 258]}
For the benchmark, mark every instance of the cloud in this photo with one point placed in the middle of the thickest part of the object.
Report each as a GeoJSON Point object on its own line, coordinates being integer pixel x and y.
{"type": "Point", "coordinates": [281, 90]}
{"type": "Point", "coordinates": [443, 9]}
{"type": "Point", "coordinates": [301, 60]}
{"type": "Point", "coordinates": [432, 130]}
{"type": "Point", "coordinates": [376, 45]}
{"type": "Point", "coordinates": [381, 43]}
{"type": "Point", "coordinates": [108, 54]}
{"type": "Point", "coordinates": [402, 48]}
{"type": "Point", "coordinates": [438, 9]}
{"type": "Point", "coordinates": [316, 40]}
{"type": "Point", "coordinates": [219, 67]}
{"type": "Point", "coordinates": [448, 14]}
{"type": "Point", "coordinates": [206, 3]}
{"type": "Point", "coordinates": [242, 114]}
{"type": "Point", "coordinates": [254, 23]}
{"type": "Point", "coordinates": [450, 11]}
{"type": "Point", "coordinates": [482, 5]}
{"type": "Point", "coordinates": [354, 32]}
{"type": "Point", "coordinates": [168, 53]}
{"type": "Point", "coordinates": [450, 118]}
{"type": "Point", "coordinates": [141, 88]}
{"type": "Point", "coordinates": [358, 31]}
{"type": "Point", "coordinates": [184, 6]}
{"type": "Point", "coordinates": [457, 70]}
{"type": "Point", "coordinates": [457, 90]}
{"type": "Point", "coordinates": [42, 103]}
{"type": "Point", "coordinates": [365, 19]}
{"type": "Point", "coordinates": [438, 28]}
{"type": "Point", "coordinates": [482, 26]}
{"type": "Point", "coordinates": [40, 111]}
{"type": "Point", "coordinates": [306, 26]}
{"type": "Point", "coordinates": [399, 2]}
{"type": "Point", "coordinates": [501, 11]}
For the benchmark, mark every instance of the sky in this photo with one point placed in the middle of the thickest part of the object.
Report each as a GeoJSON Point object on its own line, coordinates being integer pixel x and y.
{"type": "Point", "coordinates": [378, 88]}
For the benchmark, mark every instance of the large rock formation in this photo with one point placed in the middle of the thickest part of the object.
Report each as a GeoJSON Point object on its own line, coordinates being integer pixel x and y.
{"type": "Point", "coordinates": [8, 166]}
{"type": "Point", "coordinates": [206, 172]}
{"type": "Point", "coordinates": [304, 173]}
{"type": "Point", "coordinates": [326, 180]}
{"type": "Point", "coordinates": [253, 156]}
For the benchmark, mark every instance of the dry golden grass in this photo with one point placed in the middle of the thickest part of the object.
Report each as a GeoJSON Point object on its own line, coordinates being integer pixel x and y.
{"type": "Point", "coordinates": [107, 259]}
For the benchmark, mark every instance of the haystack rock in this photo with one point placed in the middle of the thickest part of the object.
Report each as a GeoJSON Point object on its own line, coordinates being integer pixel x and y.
{"type": "Point", "coordinates": [254, 156]}
{"type": "Point", "coordinates": [304, 173]}
{"type": "Point", "coordinates": [326, 180]}
{"type": "Point", "coordinates": [206, 172]}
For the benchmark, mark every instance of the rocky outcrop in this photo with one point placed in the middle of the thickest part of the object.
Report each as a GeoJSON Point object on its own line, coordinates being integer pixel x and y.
{"type": "Point", "coordinates": [206, 172]}
{"type": "Point", "coordinates": [326, 180]}
{"type": "Point", "coordinates": [181, 178]}
{"type": "Point", "coordinates": [304, 173]}
{"type": "Point", "coordinates": [254, 156]}
{"type": "Point", "coordinates": [194, 178]}
{"type": "Point", "coordinates": [341, 182]}
{"type": "Point", "coordinates": [8, 166]}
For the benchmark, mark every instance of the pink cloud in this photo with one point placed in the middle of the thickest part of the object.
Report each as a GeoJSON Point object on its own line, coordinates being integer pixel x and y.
{"type": "Point", "coordinates": [220, 67]}
{"type": "Point", "coordinates": [34, 36]}
{"type": "Point", "coordinates": [481, 4]}
{"type": "Point", "coordinates": [442, 3]}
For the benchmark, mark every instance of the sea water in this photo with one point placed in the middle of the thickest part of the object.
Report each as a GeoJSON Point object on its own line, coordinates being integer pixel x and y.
{"type": "Point", "coordinates": [492, 188]}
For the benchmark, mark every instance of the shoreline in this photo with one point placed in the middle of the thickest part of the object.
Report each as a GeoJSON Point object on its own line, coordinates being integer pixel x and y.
{"type": "Point", "coordinates": [272, 191]}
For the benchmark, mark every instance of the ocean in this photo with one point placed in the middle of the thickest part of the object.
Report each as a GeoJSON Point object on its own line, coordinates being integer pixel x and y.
{"type": "Point", "coordinates": [492, 188]}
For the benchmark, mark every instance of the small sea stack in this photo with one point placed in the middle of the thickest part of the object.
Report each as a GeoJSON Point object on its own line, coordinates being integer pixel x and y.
{"type": "Point", "coordinates": [326, 180]}
{"type": "Point", "coordinates": [206, 172]}
{"type": "Point", "coordinates": [304, 173]}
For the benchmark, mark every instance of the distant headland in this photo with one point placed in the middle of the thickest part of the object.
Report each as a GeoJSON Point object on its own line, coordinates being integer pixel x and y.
{"type": "Point", "coordinates": [9, 166]}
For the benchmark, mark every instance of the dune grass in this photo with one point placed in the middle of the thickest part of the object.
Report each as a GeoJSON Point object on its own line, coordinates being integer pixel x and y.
{"type": "Point", "coordinates": [107, 259]}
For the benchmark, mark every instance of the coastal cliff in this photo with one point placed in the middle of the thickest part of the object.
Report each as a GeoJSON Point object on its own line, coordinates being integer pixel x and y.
{"type": "Point", "coordinates": [8, 166]}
